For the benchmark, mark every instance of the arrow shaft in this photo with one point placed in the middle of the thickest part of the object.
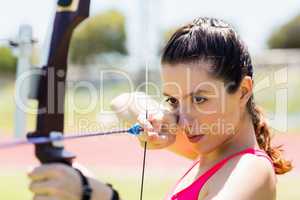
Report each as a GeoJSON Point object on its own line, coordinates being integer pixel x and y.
{"type": "Point", "coordinates": [44, 140]}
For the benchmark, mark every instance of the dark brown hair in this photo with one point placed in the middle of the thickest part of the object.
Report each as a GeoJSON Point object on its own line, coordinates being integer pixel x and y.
{"type": "Point", "coordinates": [216, 41]}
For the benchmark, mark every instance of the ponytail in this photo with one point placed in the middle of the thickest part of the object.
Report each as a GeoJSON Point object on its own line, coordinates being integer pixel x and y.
{"type": "Point", "coordinates": [263, 137]}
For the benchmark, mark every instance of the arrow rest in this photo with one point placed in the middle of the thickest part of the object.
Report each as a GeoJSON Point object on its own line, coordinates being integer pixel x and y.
{"type": "Point", "coordinates": [54, 153]}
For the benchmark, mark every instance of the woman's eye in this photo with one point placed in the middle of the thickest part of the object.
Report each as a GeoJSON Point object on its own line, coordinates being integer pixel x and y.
{"type": "Point", "coordinates": [198, 99]}
{"type": "Point", "coordinates": [172, 101]}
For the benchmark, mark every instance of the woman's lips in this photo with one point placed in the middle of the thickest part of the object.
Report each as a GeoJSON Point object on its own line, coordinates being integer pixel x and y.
{"type": "Point", "coordinates": [195, 138]}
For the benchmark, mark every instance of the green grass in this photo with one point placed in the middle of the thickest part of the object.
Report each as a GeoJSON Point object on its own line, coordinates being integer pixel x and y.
{"type": "Point", "coordinates": [14, 185]}
{"type": "Point", "coordinates": [288, 188]}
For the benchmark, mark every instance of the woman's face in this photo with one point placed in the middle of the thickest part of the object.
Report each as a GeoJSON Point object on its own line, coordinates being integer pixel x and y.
{"type": "Point", "coordinates": [207, 114]}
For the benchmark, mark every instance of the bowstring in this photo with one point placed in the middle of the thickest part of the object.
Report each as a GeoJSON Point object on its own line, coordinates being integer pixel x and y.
{"type": "Point", "coordinates": [145, 143]}
{"type": "Point", "coordinates": [144, 165]}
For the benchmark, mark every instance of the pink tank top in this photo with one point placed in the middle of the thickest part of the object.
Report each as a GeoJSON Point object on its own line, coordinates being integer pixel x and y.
{"type": "Point", "coordinates": [192, 191]}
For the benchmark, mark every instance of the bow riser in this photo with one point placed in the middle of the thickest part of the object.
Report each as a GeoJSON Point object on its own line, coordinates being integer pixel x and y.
{"type": "Point", "coordinates": [52, 81]}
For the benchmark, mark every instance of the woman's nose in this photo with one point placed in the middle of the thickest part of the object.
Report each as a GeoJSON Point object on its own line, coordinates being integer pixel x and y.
{"type": "Point", "coordinates": [184, 120]}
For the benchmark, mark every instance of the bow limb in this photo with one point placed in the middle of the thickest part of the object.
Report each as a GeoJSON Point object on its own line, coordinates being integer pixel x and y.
{"type": "Point", "coordinates": [50, 92]}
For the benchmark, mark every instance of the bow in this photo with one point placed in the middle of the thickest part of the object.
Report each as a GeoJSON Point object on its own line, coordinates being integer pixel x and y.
{"type": "Point", "coordinates": [50, 91]}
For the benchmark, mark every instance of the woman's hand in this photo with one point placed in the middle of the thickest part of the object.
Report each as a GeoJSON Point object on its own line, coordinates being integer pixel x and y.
{"type": "Point", "coordinates": [55, 181]}
{"type": "Point", "coordinates": [159, 126]}
{"type": "Point", "coordinates": [159, 129]}
{"type": "Point", "coordinates": [61, 182]}
{"type": "Point", "coordinates": [128, 106]}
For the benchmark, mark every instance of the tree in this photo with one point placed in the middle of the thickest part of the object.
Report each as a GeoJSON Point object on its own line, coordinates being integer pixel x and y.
{"type": "Point", "coordinates": [8, 62]}
{"type": "Point", "coordinates": [103, 33]}
{"type": "Point", "coordinates": [287, 36]}
{"type": "Point", "coordinates": [168, 34]}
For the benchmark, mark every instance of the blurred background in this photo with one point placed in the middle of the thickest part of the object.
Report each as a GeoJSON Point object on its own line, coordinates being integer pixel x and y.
{"type": "Point", "coordinates": [123, 39]}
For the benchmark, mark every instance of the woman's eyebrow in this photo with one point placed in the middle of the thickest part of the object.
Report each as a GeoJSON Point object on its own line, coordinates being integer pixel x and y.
{"type": "Point", "coordinates": [189, 94]}
{"type": "Point", "coordinates": [199, 91]}
{"type": "Point", "coordinates": [166, 94]}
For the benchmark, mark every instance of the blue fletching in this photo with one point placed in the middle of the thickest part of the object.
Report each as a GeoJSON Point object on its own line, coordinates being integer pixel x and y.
{"type": "Point", "coordinates": [135, 129]}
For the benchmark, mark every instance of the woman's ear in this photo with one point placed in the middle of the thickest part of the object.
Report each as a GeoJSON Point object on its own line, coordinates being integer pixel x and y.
{"type": "Point", "coordinates": [246, 90]}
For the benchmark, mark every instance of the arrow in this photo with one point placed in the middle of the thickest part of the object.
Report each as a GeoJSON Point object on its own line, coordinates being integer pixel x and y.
{"type": "Point", "coordinates": [56, 137]}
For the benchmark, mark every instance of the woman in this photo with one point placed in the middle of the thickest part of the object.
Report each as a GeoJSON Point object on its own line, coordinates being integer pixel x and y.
{"type": "Point", "coordinates": [211, 118]}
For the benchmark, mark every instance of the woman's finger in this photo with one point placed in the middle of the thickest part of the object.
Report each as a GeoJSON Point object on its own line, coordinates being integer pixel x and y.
{"type": "Point", "coordinates": [44, 197]}
{"type": "Point", "coordinates": [47, 187]}
{"type": "Point", "coordinates": [145, 123]}
{"type": "Point", "coordinates": [46, 171]}
{"type": "Point", "coordinates": [161, 141]}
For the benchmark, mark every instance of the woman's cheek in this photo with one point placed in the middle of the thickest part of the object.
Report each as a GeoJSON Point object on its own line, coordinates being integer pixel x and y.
{"type": "Point", "coordinates": [212, 120]}
{"type": "Point", "coordinates": [224, 120]}
{"type": "Point", "coordinates": [232, 118]}
{"type": "Point", "coordinates": [209, 124]}
{"type": "Point", "coordinates": [207, 108]}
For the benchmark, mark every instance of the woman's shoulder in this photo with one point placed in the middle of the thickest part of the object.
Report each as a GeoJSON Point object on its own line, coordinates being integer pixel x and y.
{"type": "Point", "coordinates": [256, 169]}
{"type": "Point", "coordinates": [246, 177]}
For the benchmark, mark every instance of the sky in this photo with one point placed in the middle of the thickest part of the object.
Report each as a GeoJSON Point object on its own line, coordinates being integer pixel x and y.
{"type": "Point", "coordinates": [255, 19]}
